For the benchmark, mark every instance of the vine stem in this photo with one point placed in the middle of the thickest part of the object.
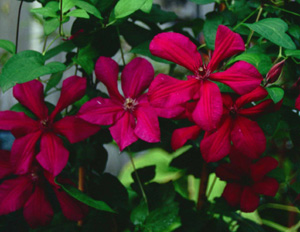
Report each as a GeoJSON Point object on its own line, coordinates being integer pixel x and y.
{"type": "Point", "coordinates": [245, 19]}
{"type": "Point", "coordinates": [252, 32]}
{"type": "Point", "coordinates": [60, 18]}
{"type": "Point", "coordinates": [139, 182]}
{"type": "Point", "coordinates": [81, 174]}
{"type": "Point", "coordinates": [203, 186]}
{"type": "Point", "coordinates": [45, 50]}
{"type": "Point", "coordinates": [212, 186]}
{"type": "Point", "coordinates": [18, 26]}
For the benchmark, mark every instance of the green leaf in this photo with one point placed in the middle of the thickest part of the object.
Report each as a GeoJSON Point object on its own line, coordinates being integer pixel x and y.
{"type": "Point", "coordinates": [143, 49]}
{"type": "Point", "coordinates": [8, 46]}
{"type": "Point", "coordinates": [294, 30]}
{"type": "Point", "coordinates": [66, 46]}
{"type": "Point", "coordinates": [20, 108]}
{"type": "Point", "coordinates": [202, 2]}
{"type": "Point", "coordinates": [79, 13]}
{"type": "Point", "coordinates": [50, 10]}
{"type": "Point", "coordinates": [53, 81]}
{"type": "Point", "coordinates": [127, 7]}
{"type": "Point", "coordinates": [50, 26]}
{"type": "Point", "coordinates": [82, 197]}
{"type": "Point", "coordinates": [85, 58]}
{"type": "Point", "coordinates": [26, 66]}
{"type": "Point", "coordinates": [293, 53]}
{"type": "Point", "coordinates": [296, 187]}
{"type": "Point", "coordinates": [274, 30]}
{"type": "Point", "coordinates": [139, 214]}
{"type": "Point", "coordinates": [88, 8]}
{"type": "Point", "coordinates": [276, 94]}
{"type": "Point", "coordinates": [261, 61]}
{"type": "Point", "coordinates": [67, 5]}
{"type": "Point", "coordinates": [213, 20]}
{"type": "Point", "coordinates": [147, 6]}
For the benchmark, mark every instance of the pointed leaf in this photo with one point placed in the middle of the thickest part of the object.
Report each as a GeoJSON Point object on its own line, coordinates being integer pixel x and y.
{"type": "Point", "coordinates": [8, 46]}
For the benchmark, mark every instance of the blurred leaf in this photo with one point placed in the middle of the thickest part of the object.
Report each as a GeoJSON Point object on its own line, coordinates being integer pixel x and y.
{"type": "Point", "coordinates": [213, 20]}
{"type": "Point", "coordinates": [274, 30]}
{"type": "Point", "coordinates": [143, 49]}
{"type": "Point", "coordinates": [66, 46]}
{"type": "Point", "coordinates": [294, 30]}
{"type": "Point", "coordinates": [145, 174]}
{"type": "Point", "coordinates": [278, 174]}
{"type": "Point", "coordinates": [50, 25]}
{"type": "Point", "coordinates": [246, 225]}
{"type": "Point", "coordinates": [53, 81]}
{"type": "Point", "coordinates": [26, 66]}
{"type": "Point", "coordinates": [275, 93]}
{"type": "Point", "coordinates": [294, 53]}
{"type": "Point", "coordinates": [78, 13]}
{"type": "Point", "coordinates": [296, 187]}
{"type": "Point", "coordinates": [8, 46]}
{"type": "Point", "coordinates": [88, 8]}
{"type": "Point", "coordinates": [127, 7]}
{"type": "Point", "coordinates": [147, 6]}
{"type": "Point", "coordinates": [49, 10]}
{"type": "Point", "coordinates": [139, 214]}
{"type": "Point", "coordinates": [85, 58]}
{"type": "Point", "coordinates": [202, 2]}
{"type": "Point", "coordinates": [82, 197]}
{"type": "Point", "coordinates": [20, 108]}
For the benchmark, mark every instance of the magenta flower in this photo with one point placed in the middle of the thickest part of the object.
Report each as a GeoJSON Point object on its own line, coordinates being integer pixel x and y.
{"type": "Point", "coordinates": [28, 191]}
{"type": "Point", "coordinates": [166, 91]}
{"type": "Point", "coordinates": [247, 180]}
{"type": "Point", "coordinates": [131, 116]}
{"type": "Point", "coordinates": [52, 156]}
{"type": "Point", "coordinates": [236, 127]}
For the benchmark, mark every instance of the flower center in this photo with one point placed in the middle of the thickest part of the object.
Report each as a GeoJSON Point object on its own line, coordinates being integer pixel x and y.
{"type": "Point", "coordinates": [45, 124]}
{"type": "Point", "coordinates": [130, 104]}
{"type": "Point", "coordinates": [233, 112]}
{"type": "Point", "coordinates": [202, 73]}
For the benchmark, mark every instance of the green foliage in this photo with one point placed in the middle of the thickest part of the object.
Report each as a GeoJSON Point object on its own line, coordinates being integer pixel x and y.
{"type": "Point", "coordinates": [125, 8]}
{"type": "Point", "coordinates": [8, 46]}
{"type": "Point", "coordinates": [213, 20]}
{"type": "Point", "coordinates": [276, 94]}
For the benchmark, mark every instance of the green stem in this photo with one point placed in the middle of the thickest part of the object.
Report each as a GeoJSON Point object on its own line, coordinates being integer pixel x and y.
{"type": "Point", "coordinates": [252, 32]}
{"type": "Point", "coordinates": [61, 18]}
{"type": "Point", "coordinates": [279, 55]}
{"type": "Point", "coordinates": [274, 225]}
{"type": "Point", "coordinates": [211, 187]}
{"type": "Point", "coordinates": [287, 11]}
{"type": "Point", "coordinates": [45, 43]}
{"type": "Point", "coordinates": [282, 207]}
{"type": "Point", "coordinates": [139, 182]}
{"type": "Point", "coordinates": [18, 26]}
{"type": "Point", "coordinates": [201, 46]}
{"type": "Point", "coordinates": [245, 19]}
{"type": "Point", "coordinates": [44, 52]}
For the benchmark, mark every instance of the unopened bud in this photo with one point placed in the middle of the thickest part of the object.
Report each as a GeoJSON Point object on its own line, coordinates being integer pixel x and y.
{"type": "Point", "coordinates": [274, 72]}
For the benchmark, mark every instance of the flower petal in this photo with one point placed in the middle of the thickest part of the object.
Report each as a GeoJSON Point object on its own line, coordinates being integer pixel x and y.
{"type": "Point", "coordinates": [242, 77]}
{"type": "Point", "coordinates": [136, 77]}
{"type": "Point", "coordinates": [123, 131]}
{"type": "Point", "coordinates": [249, 200]}
{"type": "Point", "coordinates": [181, 135]}
{"type": "Point", "coordinates": [177, 48]}
{"type": "Point", "coordinates": [147, 126]}
{"type": "Point", "coordinates": [229, 172]}
{"type": "Point", "coordinates": [232, 193]}
{"type": "Point", "coordinates": [267, 186]}
{"type": "Point", "coordinates": [37, 210]}
{"type": "Point", "coordinates": [216, 145]}
{"type": "Point", "coordinates": [258, 109]}
{"type": "Point", "coordinates": [256, 95]}
{"type": "Point", "coordinates": [171, 112]}
{"type": "Point", "coordinates": [31, 95]}
{"type": "Point", "coordinates": [101, 111]}
{"type": "Point", "coordinates": [166, 91]}
{"type": "Point", "coordinates": [72, 90]}
{"type": "Point", "coordinates": [248, 138]}
{"type": "Point", "coordinates": [14, 193]}
{"type": "Point", "coordinates": [75, 129]}
{"type": "Point", "coordinates": [5, 165]}
{"type": "Point", "coordinates": [107, 71]}
{"type": "Point", "coordinates": [209, 109]}
{"type": "Point", "coordinates": [18, 123]}
{"type": "Point", "coordinates": [262, 167]}
{"type": "Point", "coordinates": [53, 155]}
{"type": "Point", "coordinates": [227, 44]}
{"type": "Point", "coordinates": [23, 151]}
{"type": "Point", "coordinates": [297, 105]}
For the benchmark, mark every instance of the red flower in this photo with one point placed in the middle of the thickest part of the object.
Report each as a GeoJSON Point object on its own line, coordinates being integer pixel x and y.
{"type": "Point", "coordinates": [131, 116]}
{"type": "Point", "coordinates": [166, 91]}
{"type": "Point", "coordinates": [236, 127]}
{"type": "Point", "coordinates": [246, 180]}
{"type": "Point", "coordinates": [28, 191]}
{"type": "Point", "coordinates": [53, 156]}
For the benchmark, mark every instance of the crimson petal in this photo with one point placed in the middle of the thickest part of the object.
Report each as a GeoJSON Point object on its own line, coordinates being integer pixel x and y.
{"type": "Point", "coordinates": [180, 136]}
{"type": "Point", "coordinates": [136, 77]}
{"type": "Point", "coordinates": [232, 193]}
{"type": "Point", "coordinates": [227, 44]}
{"type": "Point", "coordinates": [229, 172]}
{"type": "Point", "coordinates": [123, 131]}
{"type": "Point", "coordinates": [75, 129]}
{"type": "Point", "coordinates": [53, 155]}
{"type": "Point", "coordinates": [166, 91]}
{"type": "Point", "coordinates": [249, 200]}
{"type": "Point", "coordinates": [242, 77]}
{"type": "Point", "coordinates": [107, 70]}
{"type": "Point", "coordinates": [257, 109]}
{"type": "Point", "coordinates": [31, 95]}
{"type": "Point", "coordinates": [216, 145]}
{"type": "Point", "coordinates": [297, 105]}
{"type": "Point", "coordinates": [23, 151]}
{"type": "Point", "coordinates": [248, 138]}
{"type": "Point", "coordinates": [14, 193]}
{"type": "Point", "coordinates": [209, 109]}
{"type": "Point", "coordinates": [5, 164]}
{"type": "Point", "coordinates": [37, 210]}
{"type": "Point", "coordinates": [73, 89]}
{"type": "Point", "coordinates": [177, 48]}
{"type": "Point", "coordinates": [267, 186]}
{"type": "Point", "coordinates": [257, 94]}
{"type": "Point", "coordinates": [262, 167]}
{"type": "Point", "coordinates": [101, 111]}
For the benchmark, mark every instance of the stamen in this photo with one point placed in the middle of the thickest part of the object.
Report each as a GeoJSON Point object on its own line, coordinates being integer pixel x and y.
{"type": "Point", "coordinates": [130, 104]}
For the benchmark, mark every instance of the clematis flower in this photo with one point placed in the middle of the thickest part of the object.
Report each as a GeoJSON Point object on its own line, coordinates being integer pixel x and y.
{"type": "Point", "coordinates": [247, 180]}
{"type": "Point", "coordinates": [28, 191]}
{"type": "Point", "coordinates": [52, 156]}
{"type": "Point", "coordinates": [166, 91]}
{"type": "Point", "coordinates": [237, 127]}
{"type": "Point", "coordinates": [131, 115]}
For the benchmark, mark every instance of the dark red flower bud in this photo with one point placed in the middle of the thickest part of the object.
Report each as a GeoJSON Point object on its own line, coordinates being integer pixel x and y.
{"type": "Point", "coordinates": [275, 72]}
